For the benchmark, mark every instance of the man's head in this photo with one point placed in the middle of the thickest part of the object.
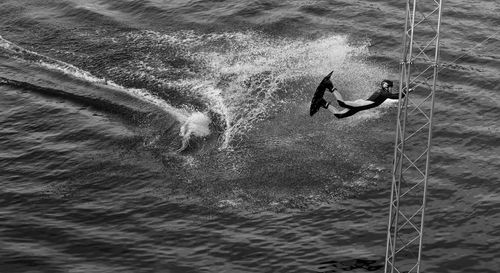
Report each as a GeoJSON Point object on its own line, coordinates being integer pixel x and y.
{"type": "Point", "coordinates": [386, 84]}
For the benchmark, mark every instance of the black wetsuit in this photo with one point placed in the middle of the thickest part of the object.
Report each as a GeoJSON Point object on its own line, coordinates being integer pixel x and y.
{"type": "Point", "coordinates": [378, 98]}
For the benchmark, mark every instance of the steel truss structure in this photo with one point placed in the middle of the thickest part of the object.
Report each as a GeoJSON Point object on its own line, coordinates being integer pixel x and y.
{"type": "Point", "coordinates": [419, 70]}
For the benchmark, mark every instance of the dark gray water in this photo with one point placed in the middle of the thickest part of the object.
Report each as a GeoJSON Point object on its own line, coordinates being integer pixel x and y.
{"type": "Point", "coordinates": [93, 95]}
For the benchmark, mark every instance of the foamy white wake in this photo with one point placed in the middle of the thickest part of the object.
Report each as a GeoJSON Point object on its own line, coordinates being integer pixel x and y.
{"type": "Point", "coordinates": [200, 121]}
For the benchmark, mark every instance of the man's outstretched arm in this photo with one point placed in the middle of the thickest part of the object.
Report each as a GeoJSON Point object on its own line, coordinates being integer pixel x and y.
{"type": "Point", "coordinates": [395, 96]}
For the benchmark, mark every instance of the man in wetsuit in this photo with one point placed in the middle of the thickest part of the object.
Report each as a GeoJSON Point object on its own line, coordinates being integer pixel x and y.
{"type": "Point", "coordinates": [352, 107]}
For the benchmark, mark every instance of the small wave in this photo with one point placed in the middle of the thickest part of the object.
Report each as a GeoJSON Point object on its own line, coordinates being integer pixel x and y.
{"type": "Point", "coordinates": [99, 103]}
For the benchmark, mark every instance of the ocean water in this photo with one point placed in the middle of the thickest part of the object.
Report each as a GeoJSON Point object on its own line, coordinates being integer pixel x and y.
{"type": "Point", "coordinates": [174, 136]}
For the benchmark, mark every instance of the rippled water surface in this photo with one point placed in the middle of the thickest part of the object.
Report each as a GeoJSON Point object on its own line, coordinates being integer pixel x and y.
{"type": "Point", "coordinates": [174, 136]}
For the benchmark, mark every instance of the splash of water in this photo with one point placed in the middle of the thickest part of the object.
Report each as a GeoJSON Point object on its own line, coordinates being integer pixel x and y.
{"type": "Point", "coordinates": [247, 76]}
{"type": "Point", "coordinates": [195, 125]}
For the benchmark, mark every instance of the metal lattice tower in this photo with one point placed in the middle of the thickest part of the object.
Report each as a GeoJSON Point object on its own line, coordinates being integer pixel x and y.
{"type": "Point", "coordinates": [419, 69]}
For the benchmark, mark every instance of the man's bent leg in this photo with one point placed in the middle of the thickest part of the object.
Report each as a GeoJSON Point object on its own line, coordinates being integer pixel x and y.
{"type": "Point", "coordinates": [335, 111]}
{"type": "Point", "coordinates": [356, 103]}
{"type": "Point", "coordinates": [352, 103]}
{"type": "Point", "coordinates": [347, 113]}
{"type": "Point", "coordinates": [337, 95]}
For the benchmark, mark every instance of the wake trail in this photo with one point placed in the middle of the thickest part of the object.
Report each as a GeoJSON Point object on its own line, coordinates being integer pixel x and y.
{"type": "Point", "coordinates": [200, 121]}
{"type": "Point", "coordinates": [71, 70]}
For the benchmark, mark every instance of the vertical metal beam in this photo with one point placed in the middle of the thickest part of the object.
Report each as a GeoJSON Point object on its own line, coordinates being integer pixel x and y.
{"type": "Point", "coordinates": [391, 245]}
{"type": "Point", "coordinates": [429, 139]}
{"type": "Point", "coordinates": [413, 136]}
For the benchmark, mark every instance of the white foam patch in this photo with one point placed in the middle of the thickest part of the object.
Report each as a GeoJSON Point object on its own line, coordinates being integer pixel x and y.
{"type": "Point", "coordinates": [197, 125]}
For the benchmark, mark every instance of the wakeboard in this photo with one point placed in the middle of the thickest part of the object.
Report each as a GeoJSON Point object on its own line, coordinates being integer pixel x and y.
{"type": "Point", "coordinates": [318, 101]}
